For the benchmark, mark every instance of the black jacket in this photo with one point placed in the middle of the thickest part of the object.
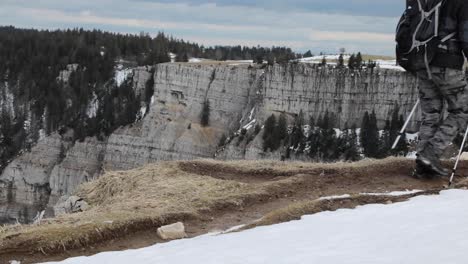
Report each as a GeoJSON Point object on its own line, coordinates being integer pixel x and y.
{"type": "Point", "coordinates": [453, 18]}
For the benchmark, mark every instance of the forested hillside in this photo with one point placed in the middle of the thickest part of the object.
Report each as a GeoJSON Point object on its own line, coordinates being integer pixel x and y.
{"type": "Point", "coordinates": [50, 79]}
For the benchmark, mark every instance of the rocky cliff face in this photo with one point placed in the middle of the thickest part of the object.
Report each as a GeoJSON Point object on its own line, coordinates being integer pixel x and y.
{"type": "Point", "coordinates": [169, 127]}
{"type": "Point", "coordinates": [343, 93]}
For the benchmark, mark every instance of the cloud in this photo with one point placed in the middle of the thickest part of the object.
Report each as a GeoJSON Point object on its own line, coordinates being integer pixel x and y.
{"type": "Point", "coordinates": [86, 17]}
{"type": "Point", "coordinates": [351, 36]}
{"type": "Point", "coordinates": [380, 8]}
{"type": "Point", "coordinates": [218, 22]}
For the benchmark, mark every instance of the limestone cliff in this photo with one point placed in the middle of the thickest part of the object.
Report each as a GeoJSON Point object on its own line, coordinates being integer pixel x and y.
{"type": "Point", "coordinates": [169, 127]}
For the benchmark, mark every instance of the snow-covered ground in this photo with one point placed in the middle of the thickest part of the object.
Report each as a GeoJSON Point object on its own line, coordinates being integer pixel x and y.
{"type": "Point", "coordinates": [196, 60]}
{"type": "Point", "coordinates": [389, 64]}
{"type": "Point", "coordinates": [424, 230]}
{"type": "Point", "coordinates": [383, 64]}
{"type": "Point", "coordinates": [318, 59]}
{"type": "Point", "coordinates": [229, 62]}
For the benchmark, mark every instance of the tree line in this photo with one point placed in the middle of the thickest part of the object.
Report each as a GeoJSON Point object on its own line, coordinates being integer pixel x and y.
{"type": "Point", "coordinates": [320, 141]}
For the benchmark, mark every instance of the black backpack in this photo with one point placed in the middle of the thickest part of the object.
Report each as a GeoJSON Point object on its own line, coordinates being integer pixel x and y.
{"type": "Point", "coordinates": [417, 34]}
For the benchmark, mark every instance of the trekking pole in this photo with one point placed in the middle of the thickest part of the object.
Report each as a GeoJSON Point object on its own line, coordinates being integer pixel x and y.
{"type": "Point", "coordinates": [458, 158]}
{"type": "Point", "coordinates": [406, 124]}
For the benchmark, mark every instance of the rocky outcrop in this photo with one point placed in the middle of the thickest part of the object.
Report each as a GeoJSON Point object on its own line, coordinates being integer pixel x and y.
{"type": "Point", "coordinates": [169, 125]}
{"type": "Point", "coordinates": [24, 185]}
{"type": "Point", "coordinates": [172, 232]}
{"type": "Point", "coordinates": [70, 205]}
{"type": "Point", "coordinates": [80, 163]}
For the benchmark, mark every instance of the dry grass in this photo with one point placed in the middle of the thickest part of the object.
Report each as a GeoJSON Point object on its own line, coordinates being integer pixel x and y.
{"type": "Point", "coordinates": [161, 188]}
{"type": "Point", "coordinates": [122, 201]}
{"type": "Point", "coordinates": [366, 57]}
{"type": "Point", "coordinates": [296, 210]}
{"type": "Point", "coordinates": [298, 166]}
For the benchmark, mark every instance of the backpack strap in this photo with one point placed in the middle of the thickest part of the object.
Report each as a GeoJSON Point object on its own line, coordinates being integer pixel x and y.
{"type": "Point", "coordinates": [448, 37]}
{"type": "Point", "coordinates": [425, 14]}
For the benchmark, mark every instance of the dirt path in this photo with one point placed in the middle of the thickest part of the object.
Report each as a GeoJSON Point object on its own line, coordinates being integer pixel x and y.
{"type": "Point", "coordinates": [285, 187]}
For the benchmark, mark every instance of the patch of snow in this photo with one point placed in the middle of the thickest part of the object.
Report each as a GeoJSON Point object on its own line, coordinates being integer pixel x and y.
{"type": "Point", "coordinates": [64, 75]}
{"type": "Point", "coordinates": [338, 132]}
{"type": "Point", "coordinates": [412, 155]}
{"type": "Point", "coordinates": [93, 107]}
{"type": "Point", "coordinates": [232, 229]}
{"type": "Point", "coordinates": [389, 64]}
{"type": "Point", "coordinates": [397, 193]}
{"type": "Point", "coordinates": [7, 101]}
{"type": "Point", "coordinates": [250, 125]}
{"type": "Point", "coordinates": [239, 62]}
{"type": "Point", "coordinates": [121, 74]}
{"type": "Point", "coordinates": [42, 134]}
{"type": "Point", "coordinates": [27, 125]}
{"type": "Point", "coordinates": [319, 58]}
{"type": "Point", "coordinates": [412, 136]}
{"type": "Point", "coordinates": [334, 197]}
{"type": "Point", "coordinates": [251, 114]}
{"type": "Point", "coordinates": [425, 229]}
{"type": "Point", "coordinates": [172, 56]}
{"type": "Point", "coordinates": [143, 111]}
{"type": "Point", "coordinates": [195, 60]}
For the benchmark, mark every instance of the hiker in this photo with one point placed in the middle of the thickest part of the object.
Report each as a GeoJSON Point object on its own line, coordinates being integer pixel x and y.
{"type": "Point", "coordinates": [432, 38]}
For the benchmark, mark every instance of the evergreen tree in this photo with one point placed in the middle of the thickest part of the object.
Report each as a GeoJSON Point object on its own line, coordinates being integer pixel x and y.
{"type": "Point", "coordinates": [373, 140]}
{"type": "Point", "coordinates": [352, 153]}
{"type": "Point", "coordinates": [371, 65]}
{"type": "Point", "coordinates": [340, 61]}
{"type": "Point", "coordinates": [280, 132]}
{"type": "Point", "coordinates": [181, 57]}
{"type": "Point", "coordinates": [185, 57]}
{"type": "Point", "coordinates": [358, 61]}
{"type": "Point", "coordinates": [328, 139]}
{"type": "Point", "coordinates": [312, 122]}
{"type": "Point", "coordinates": [297, 135]}
{"type": "Point", "coordinates": [259, 59]}
{"type": "Point", "coordinates": [364, 135]}
{"type": "Point", "coordinates": [343, 142]}
{"type": "Point", "coordinates": [384, 142]}
{"type": "Point", "coordinates": [313, 141]}
{"type": "Point", "coordinates": [271, 60]}
{"type": "Point", "coordinates": [308, 54]}
{"type": "Point", "coordinates": [324, 61]}
{"type": "Point", "coordinates": [352, 62]}
{"type": "Point", "coordinates": [268, 139]}
{"type": "Point", "coordinates": [205, 114]}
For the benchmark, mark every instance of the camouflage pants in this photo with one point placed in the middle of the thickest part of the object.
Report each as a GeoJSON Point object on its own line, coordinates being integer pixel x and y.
{"type": "Point", "coordinates": [448, 86]}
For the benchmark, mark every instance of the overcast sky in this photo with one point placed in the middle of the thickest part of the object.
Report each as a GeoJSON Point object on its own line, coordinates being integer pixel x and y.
{"type": "Point", "coordinates": [318, 25]}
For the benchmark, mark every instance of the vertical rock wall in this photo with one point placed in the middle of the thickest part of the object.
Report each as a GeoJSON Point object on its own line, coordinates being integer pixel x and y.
{"type": "Point", "coordinates": [238, 96]}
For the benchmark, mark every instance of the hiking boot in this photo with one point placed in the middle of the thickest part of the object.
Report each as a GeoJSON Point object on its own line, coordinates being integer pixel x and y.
{"type": "Point", "coordinates": [429, 161]}
{"type": "Point", "coordinates": [422, 173]}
